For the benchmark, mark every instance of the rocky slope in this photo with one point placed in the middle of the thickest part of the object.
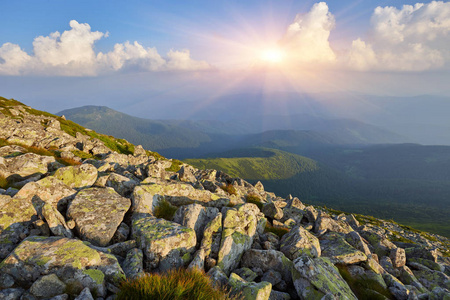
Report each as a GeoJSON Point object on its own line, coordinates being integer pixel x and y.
{"type": "Point", "coordinates": [79, 213]}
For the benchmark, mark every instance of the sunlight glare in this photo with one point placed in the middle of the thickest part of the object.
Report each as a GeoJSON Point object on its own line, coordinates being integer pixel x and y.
{"type": "Point", "coordinates": [273, 55]}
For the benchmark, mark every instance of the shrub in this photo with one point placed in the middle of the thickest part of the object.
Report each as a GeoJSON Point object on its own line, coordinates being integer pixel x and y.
{"type": "Point", "coordinates": [165, 210]}
{"type": "Point", "coordinates": [251, 198]}
{"type": "Point", "coordinates": [178, 284]}
{"type": "Point", "coordinates": [280, 231]}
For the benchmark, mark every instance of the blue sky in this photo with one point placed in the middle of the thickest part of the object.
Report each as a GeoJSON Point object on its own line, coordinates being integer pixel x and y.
{"type": "Point", "coordinates": [189, 47]}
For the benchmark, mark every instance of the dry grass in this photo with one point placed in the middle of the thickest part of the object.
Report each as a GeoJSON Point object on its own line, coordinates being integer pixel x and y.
{"type": "Point", "coordinates": [178, 284]}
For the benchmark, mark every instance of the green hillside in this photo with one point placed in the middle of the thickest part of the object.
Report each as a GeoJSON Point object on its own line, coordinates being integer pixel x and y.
{"type": "Point", "coordinates": [258, 164]}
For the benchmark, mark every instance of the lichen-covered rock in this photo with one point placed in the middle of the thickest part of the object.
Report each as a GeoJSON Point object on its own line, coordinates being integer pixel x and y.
{"type": "Point", "coordinates": [97, 213]}
{"type": "Point", "coordinates": [210, 243]}
{"type": "Point", "coordinates": [133, 266]}
{"type": "Point", "coordinates": [398, 257]}
{"type": "Point", "coordinates": [195, 216]}
{"type": "Point", "coordinates": [56, 221]}
{"type": "Point", "coordinates": [239, 228]}
{"type": "Point", "coordinates": [324, 223]}
{"type": "Point", "coordinates": [47, 286]}
{"type": "Point", "coordinates": [268, 260]}
{"type": "Point", "coordinates": [218, 277]}
{"type": "Point", "coordinates": [421, 252]}
{"type": "Point", "coordinates": [186, 173]}
{"type": "Point", "coordinates": [431, 278]}
{"type": "Point", "coordinates": [273, 211]}
{"type": "Point", "coordinates": [121, 184]}
{"type": "Point", "coordinates": [73, 262]}
{"type": "Point", "coordinates": [311, 214]}
{"type": "Point", "coordinates": [299, 241]}
{"type": "Point", "coordinates": [121, 234]}
{"type": "Point", "coordinates": [396, 287]}
{"type": "Point", "coordinates": [164, 243]}
{"type": "Point", "coordinates": [276, 295]}
{"type": "Point", "coordinates": [316, 277]}
{"type": "Point", "coordinates": [249, 290]}
{"type": "Point", "coordinates": [408, 277]}
{"type": "Point", "coordinates": [158, 168]}
{"type": "Point", "coordinates": [11, 294]}
{"type": "Point", "coordinates": [336, 248]}
{"type": "Point", "coordinates": [85, 295]}
{"type": "Point", "coordinates": [246, 274]}
{"type": "Point", "coordinates": [80, 176]}
{"type": "Point", "coordinates": [354, 239]}
{"type": "Point", "coordinates": [28, 164]}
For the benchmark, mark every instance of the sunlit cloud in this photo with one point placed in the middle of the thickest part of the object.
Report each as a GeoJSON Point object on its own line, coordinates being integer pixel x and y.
{"type": "Point", "coordinates": [72, 54]}
{"type": "Point", "coordinates": [413, 38]}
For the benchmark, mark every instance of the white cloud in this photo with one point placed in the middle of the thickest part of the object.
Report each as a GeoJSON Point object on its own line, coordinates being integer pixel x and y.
{"type": "Point", "coordinates": [72, 54]}
{"type": "Point", "coordinates": [307, 38]}
{"type": "Point", "coordinates": [413, 38]}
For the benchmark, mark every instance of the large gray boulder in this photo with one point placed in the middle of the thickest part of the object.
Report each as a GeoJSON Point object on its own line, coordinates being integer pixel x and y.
{"type": "Point", "coordinates": [165, 244]}
{"type": "Point", "coordinates": [80, 176]}
{"type": "Point", "coordinates": [239, 228]}
{"type": "Point", "coordinates": [72, 261]}
{"type": "Point", "coordinates": [299, 241]}
{"type": "Point", "coordinates": [249, 290]}
{"type": "Point", "coordinates": [316, 277]}
{"type": "Point", "coordinates": [97, 213]}
{"type": "Point", "coordinates": [195, 216]}
{"type": "Point", "coordinates": [28, 164]}
{"type": "Point", "coordinates": [335, 247]}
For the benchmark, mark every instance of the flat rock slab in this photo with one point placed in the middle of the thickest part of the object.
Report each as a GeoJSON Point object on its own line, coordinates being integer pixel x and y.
{"type": "Point", "coordinates": [77, 176]}
{"type": "Point", "coordinates": [28, 164]}
{"type": "Point", "coordinates": [335, 247]}
{"type": "Point", "coordinates": [163, 241]}
{"type": "Point", "coordinates": [97, 213]}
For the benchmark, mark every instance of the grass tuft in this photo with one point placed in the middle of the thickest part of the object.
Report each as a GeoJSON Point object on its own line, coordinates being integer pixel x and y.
{"type": "Point", "coordinates": [176, 166]}
{"type": "Point", "coordinates": [165, 210]}
{"type": "Point", "coordinates": [178, 284]}
{"type": "Point", "coordinates": [252, 198]}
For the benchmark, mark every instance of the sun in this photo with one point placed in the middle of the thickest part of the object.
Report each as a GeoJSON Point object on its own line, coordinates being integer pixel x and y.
{"type": "Point", "coordinates": [273, 55]}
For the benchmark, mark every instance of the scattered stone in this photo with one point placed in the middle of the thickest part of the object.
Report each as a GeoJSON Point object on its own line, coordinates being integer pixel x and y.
{"type": "Point", "coordinates": [133, 266]}
{"type": "Point", "coordinates": [335, 247]}
{"type": "Point", "coordinates": [398, 257]}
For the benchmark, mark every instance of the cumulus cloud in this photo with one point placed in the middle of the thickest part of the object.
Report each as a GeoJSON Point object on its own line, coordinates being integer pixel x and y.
{"type": "Point", "coordinates": [413, 38]}
{"type": "Point", "coordinates": [72, 54]}
{"type": "Point", "coordinates": [306, 38]}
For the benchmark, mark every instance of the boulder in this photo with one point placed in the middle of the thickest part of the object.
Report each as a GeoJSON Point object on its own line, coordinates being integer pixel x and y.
{"type": "Point", "coordinates": [73, 262]}
{"type": "Point", "coordinates": [239, 228]}
{"type": "Point", "coordinates": [80, 176]}
{"type": "Point", "coordinates": [325, 223]}
{"type": "Point", "coordinates": [56, 221]}
{"type": "Point", "coordinates": [398, 257]}
{"type": "Point", "coordinates": [271, 210]}
{"type": "Point", "coordinates": [298, 241]}
{"type": "Point", "coordinates": [311, 214]}
{"type": "Point", "coordinates": [354, 239]}
{"type": "Point", "coordinates": [133, 266]}
{"type": "Point", "coordinates": [121, 184]}
{"type": "Point", "coordinates": [28, 164]}
{"type": "Point", "coordinates": [335, 247]}
{"type": "Point", "coordinates": [48, 286]}
{"type": "Point", "coordinates": [268, 260]}
{"type": "Point", "coordinates": [210, 243]}
{"type": "Point", "coordinates": [97, 213]}
{"type": "Point", "coordinates": [165, 244]}
{"type": "Point", "coordinates": [186, 174]}
{"type": "Point", "coordinates": [249, 290]}
{"type": "Point", "coordinates": [195, 216]}
{"type": "Point", "coordinates": [316, 277]}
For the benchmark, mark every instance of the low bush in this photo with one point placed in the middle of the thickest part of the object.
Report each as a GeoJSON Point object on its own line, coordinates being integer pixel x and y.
{"type": "Point", "coordinates": [230, 189]}
{"type": "Point", "coordinates": [251, 198]}
{"type": "Point", "coordinates": [178, 284]}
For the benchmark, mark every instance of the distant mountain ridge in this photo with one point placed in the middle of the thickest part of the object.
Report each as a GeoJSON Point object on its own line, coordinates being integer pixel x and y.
{"type": "Point", "coordinates": [188, 138]}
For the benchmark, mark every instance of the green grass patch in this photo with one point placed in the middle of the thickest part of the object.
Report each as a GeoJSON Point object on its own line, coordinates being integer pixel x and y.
{"type": "Point", "coordinates": [156, 155]}
{"type": "Point", "coordinates": [83, 155]}
{"type": "Point", "coordinates": [279, 231]}
{"type": "Point", "coordinates": [251, 198]}
{"type": "Point", "coordinates": [363, 220]}
{"type": "Point", "coordinates": [165, 210]}
{"type": "Point", "coordinates": [178, 284]}
{"type": "Point", "coordinates": [176, 165]}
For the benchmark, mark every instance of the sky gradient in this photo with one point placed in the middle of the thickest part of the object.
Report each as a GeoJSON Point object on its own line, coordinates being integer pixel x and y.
{"type": "Point", "coordinates": [61, 54]}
